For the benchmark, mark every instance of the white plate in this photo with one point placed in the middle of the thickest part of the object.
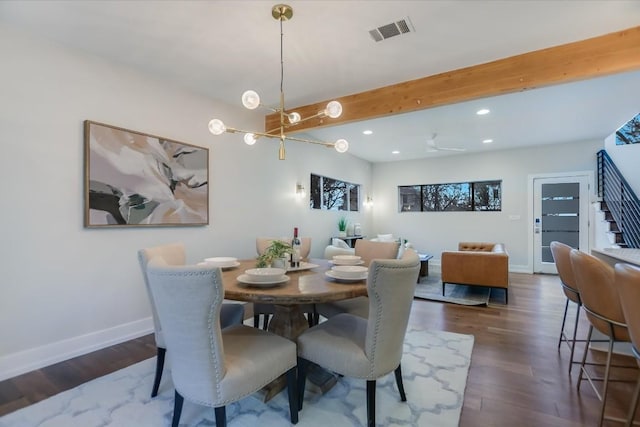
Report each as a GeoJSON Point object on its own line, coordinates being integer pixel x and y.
{"type": "Point", "coordinates": [351, 258]}
{"type": "Point", "coordinates": [332, 275]}
{"type": "Point", "coordinates": [265, 274]}
{"type": "Point", "coordinates": [234, 265]}
{"type": "Point", "coordinates": [303, 266]}
{"type": "Point", "coordinates": [243, 278]}
{"type": "Point", "coordinates": [334, 262]}
{"type": "Point", "coordinates": [226, 267]}
{"type": "Point", "coordinates": [349, 271]}
{"type": "Point", "coordinates": [222, 261]}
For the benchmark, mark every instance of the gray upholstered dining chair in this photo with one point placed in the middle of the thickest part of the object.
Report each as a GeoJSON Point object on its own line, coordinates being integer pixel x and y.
{"type": "Point", "coordinates": [371, 348]}
{"type": "Point", "coordinates": [368, 250]}
{"type": "Point", "coordinates": [267, 310]}
{"type": "Point", "coordinates": [627, 279]}
{"type": "Point", "coordinates": [600, 301]}
{"type": "Point", "coordinates": [562, 259]}
{"type": "Point", "coordinates": [211, 366]}
{"type": "Point", "coordinates": [174, 254]}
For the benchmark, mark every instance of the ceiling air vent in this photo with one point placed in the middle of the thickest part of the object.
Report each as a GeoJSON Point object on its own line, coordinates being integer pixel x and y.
{"type": "Point", "coordinates": [402, 26]}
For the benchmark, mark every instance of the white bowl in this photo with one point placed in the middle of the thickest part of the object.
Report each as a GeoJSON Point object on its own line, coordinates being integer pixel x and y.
{"type": "Point", "coordinates": [349, 271]}
{"type": "Point", "coordinates": [222, 261]}
{"type": "Point", "coordinates": [265, 274]}
{"type": "Point", "coordinates": [346, 259]}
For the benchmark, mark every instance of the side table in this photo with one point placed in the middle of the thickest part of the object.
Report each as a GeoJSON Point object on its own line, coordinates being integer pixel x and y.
{"type": "Point", "coordinates": [351, 240]}
{"type": "Point", "coordinates": [424, 265]}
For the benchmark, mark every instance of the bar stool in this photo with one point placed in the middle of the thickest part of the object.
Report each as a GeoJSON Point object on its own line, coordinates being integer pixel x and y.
{"type": "Point", "coordinates": [600, 300]}
{"type": "Point", "coordinates": [628, 283]}
{"type": "Point", "coordinates": [561, 257]}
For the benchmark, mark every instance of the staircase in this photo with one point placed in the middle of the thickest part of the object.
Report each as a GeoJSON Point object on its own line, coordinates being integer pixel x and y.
{"type": "Point", "coordinates": [619, 204]}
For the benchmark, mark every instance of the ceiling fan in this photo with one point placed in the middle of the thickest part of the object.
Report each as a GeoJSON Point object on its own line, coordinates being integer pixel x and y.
{"type": "Point", "coordinates": [432, 147]}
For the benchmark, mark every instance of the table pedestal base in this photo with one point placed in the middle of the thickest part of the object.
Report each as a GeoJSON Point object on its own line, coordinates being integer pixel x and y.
{"type": "Point", "coordinates": [289, 322]}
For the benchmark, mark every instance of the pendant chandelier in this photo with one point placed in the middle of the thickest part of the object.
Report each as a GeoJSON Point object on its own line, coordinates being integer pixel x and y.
{"type": "Point", "coordinates": [251, 100]}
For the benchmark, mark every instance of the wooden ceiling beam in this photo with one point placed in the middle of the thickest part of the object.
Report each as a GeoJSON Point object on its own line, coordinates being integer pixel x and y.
{"type": "Point", "coordinates": [596, 57]}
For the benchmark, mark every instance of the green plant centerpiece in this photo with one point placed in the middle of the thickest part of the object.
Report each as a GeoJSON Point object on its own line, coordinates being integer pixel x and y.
{"type": "Point", "coordinates": [342, 226]}
{"type": "Point", "coordinates": [278, 249]}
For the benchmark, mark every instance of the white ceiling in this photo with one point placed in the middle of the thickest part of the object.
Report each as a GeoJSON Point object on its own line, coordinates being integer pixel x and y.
{"type": "Point", "coordinates": [221, 48]}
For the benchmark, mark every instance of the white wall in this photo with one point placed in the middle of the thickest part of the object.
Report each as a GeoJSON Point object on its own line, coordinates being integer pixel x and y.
{"type": "Point", "coordinates": [434, 232]}
{"type": "Point", "coordinates": [67, 290]}
{"type": "Point", "coordinates": [626, 158]}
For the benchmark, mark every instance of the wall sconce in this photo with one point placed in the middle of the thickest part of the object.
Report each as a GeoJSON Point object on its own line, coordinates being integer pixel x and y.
{"type": "Point", "coordinates": [368, 202]}
{"type": "Point", "coordinates": [300, 191]}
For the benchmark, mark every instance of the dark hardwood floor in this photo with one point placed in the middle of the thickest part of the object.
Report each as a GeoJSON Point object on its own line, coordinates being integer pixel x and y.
{"type": "Point", "coordinates": [517, 375]}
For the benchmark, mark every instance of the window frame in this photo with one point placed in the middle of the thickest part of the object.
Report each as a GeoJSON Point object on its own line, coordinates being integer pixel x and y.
{"type": "Point", "coordinates": [333, 194]}
{"type": "Point", "coordinates": [466, 196]}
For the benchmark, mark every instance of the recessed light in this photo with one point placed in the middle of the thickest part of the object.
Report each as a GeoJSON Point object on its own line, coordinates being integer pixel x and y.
{"type": "Point", "coordinates": [487, 141]}
{"type": "Point", "coordinates": [367, 132]}
{"type": "Point", "coordinates": [483, 111]}
{"type": "Point", "coordinates": [395, 152]}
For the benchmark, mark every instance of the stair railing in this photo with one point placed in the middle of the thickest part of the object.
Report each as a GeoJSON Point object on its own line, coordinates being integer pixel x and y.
{"type": "Point", "coordinates": [621, 201]}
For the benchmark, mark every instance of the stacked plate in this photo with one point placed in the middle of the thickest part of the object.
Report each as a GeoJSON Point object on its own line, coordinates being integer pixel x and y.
{"type": "Point", "coordinates": [346, 260]}
{"type": "Point", "coordinates": [264, 277]}
{"type": "Point", "coordinates": [222, 262]}
{"type": "Point", "coordinates": [348, 273]}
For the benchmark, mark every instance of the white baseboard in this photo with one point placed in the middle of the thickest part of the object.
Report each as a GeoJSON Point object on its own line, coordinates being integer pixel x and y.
{"type": "Point", "coordinates": [25, 361]}
{"type": "Point", "coordinates": [513, 268]}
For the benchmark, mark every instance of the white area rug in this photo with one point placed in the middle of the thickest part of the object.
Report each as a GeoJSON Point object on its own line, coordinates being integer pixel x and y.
{"type": "Point", "coordinates": [434, 366]}
{"type": "Point", "coordinates": [430, 288]}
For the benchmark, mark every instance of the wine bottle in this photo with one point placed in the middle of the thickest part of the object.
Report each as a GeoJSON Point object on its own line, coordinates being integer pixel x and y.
{"type": "Point", "coordinates": [295, 253]}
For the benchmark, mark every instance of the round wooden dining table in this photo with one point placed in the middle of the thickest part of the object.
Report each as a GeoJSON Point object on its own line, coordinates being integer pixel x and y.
{"type": "Point", "coordinates": [305, 286]}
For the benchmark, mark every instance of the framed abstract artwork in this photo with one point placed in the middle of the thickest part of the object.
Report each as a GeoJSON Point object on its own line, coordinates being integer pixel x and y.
{"type": "Point", "coordinates": [136, 179]}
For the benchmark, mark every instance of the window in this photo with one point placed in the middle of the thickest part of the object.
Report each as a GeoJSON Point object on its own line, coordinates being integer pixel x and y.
{"type": "Point", "coordinates": [410, 198]}
{"type": "Point", "coordinates": [487, 196]}
{"type": "Point", "coordinates": [333, 194]}
{"type": "Point", "coordinates": [446, 197]}
{"type": "Point", "coordinates": [459, 196]}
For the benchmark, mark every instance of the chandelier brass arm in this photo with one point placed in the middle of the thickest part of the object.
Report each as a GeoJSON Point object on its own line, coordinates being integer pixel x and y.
{"type": "Point", "coordinates": [292, 138]}
{"type": "Point", "coordinates": [251, 100]}
{"type": "Point", "coordinates": [322, 113]}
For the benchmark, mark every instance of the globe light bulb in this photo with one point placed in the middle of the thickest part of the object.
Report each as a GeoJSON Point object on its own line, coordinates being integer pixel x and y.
{"type": "Point", "coordinates": [334, 109]}
{"type": "Point", "coordinates": [251, 99]}
{"type": "Point", "coordinates": [216, 127]}
{"type": "Point", "coordinates": [249, 138]}
{"type": "Point", "coordinates": [294, 117]}
{"type": "Point", "coordinates": [341, 145]}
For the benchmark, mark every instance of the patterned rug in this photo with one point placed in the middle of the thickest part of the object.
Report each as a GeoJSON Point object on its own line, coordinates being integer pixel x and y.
{"type": "Point", "coordinates": [430, 288]}
{"type": "Point", "coordinates": [434, 366]}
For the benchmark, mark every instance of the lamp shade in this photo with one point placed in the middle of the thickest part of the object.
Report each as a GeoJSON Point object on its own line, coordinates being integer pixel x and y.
{"type": "Point", "coordinates": [294, 117]}
{"type": "Point", "coordinates": [334, 109]}
{"type": "Point", "coordinates": [217, 127]}
{"type": "Point", "coordinates": [341, 145]}
{"type": "Point", "coordinates": [251, 99]}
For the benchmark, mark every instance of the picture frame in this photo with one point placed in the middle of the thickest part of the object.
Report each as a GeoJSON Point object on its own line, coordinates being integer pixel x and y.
{"type": "Point", "coordinates": [134, 179]}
